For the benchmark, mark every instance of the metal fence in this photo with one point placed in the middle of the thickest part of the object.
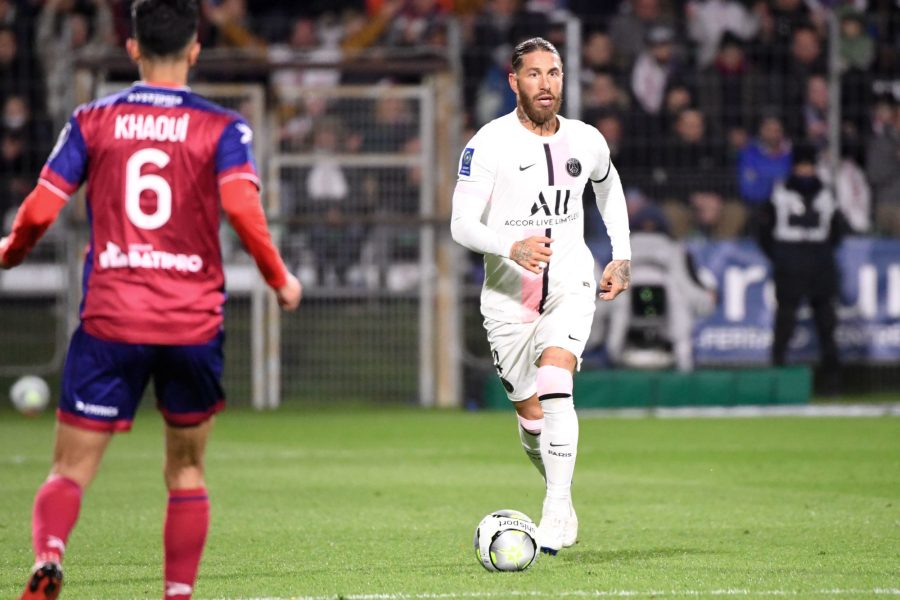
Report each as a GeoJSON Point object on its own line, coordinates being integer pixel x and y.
{"type": "Point", "coordinates": [357, 158]}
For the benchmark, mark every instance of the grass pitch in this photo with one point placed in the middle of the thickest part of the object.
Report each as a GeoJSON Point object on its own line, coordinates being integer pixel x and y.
{"type": "Point", "coordinates": [383, 505]}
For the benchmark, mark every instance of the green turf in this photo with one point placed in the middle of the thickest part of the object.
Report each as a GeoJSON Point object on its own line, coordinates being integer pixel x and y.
{"type": "Point", "coordinates": [346, 503]}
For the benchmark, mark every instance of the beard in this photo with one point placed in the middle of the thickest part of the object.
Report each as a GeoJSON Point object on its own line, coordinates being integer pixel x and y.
{"type": "Point", "coordinates": [538, 114]}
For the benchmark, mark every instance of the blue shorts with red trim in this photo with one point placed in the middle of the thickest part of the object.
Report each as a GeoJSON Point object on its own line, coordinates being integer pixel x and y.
{"type": "Point", "coordinates": [103, 382]}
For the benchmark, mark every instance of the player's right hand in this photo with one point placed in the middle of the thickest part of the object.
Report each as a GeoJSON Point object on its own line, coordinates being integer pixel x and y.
{"type": "Point", "coordinates": [290, 293]}
{"type": "Point", "coordinates": [532, 253]}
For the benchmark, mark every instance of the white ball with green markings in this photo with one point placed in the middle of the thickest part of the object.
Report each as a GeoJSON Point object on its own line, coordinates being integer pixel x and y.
{"type": "Point", "coordinates": [30, 394]}
{"type": "Point", "coordinates": [505, 540]}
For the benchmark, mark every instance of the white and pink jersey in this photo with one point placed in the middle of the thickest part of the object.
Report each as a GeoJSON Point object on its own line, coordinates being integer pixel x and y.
{"type": "Point", "coordinates": [514, 184]}
{"type": "Point", "coordinates": [152, 159]}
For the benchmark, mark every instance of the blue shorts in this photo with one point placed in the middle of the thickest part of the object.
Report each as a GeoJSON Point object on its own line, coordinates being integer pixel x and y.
{"type": "Point", "coordinates": [103, 382]}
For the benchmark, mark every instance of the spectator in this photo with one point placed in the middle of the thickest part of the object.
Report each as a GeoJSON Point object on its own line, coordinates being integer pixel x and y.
{"type": "Point", "coordinates": [419, 23]}
{"type": "Point", "coordinates": [16, 175]}
{"type": "Point", "coordinates": [64, 33]}
{"type": "Point", "coordinates": [708, 21]}
{"type": "Point", "coordinates": [787, 86]}
{"type": "Point", "coordinates": [335, 238]}
{"type": "Point", "coordinates": [629, 29]}
{"type": "Point", "coordinates": [778, 21]}
{"type": "Point", "coordinates": [854, 194]}
{"type": "Point", "coordinates": [654, 70]}
{"type": "Point", "coordinates": [363, 31]}
{"type": "Point", "coordinates": [883, 167]}
{"type": "Point", "coordinates": [815, 113]}
{"type": "Point", "coordinates": [730, 91]}
{"type": "Point", "coordinates": [489, 38]}
{"type": "Point", "coordinates": [18, 73]}
{"type": "Point", "coordinates": [716, 216]}
{"type": "Point", "coordinates": [231, 25]}
{"type": "Point", "coordinates": [392, 125]}
{"type": "Point", "coordinates": [303, 42]}
{"type": "Point", "coordinates": [36, 131]}
{"type": "Point", "coordinates": [598, 57]}
{"type": "Point", "coordinates": [691, 156]}
{"type": "Point", "coordinates": [603, 95]}
{"type": "Point", "coordinates": [764, 161]}
{"type": "Point", "coordinates": [857, 47]}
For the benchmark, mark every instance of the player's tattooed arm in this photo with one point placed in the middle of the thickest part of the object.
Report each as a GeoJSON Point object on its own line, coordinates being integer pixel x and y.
{"type": "Point", "coordinates": [532, 253]}
{"type": "Point", "coordinates": [616, 279]}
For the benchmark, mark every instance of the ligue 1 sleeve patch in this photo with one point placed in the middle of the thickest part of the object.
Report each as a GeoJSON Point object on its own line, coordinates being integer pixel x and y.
{"type": "Point", "coordinates": [466, 166]}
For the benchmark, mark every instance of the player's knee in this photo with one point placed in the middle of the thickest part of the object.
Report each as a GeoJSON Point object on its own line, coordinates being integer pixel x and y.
{"type": "Point", "coordinates": [529, 409]}
{"type": "Point", "coordinates": [553, 382]}
{"type": "Point", "coordinates": [182, 476]}
{"type": "Point", "coordinates": [532, 426]}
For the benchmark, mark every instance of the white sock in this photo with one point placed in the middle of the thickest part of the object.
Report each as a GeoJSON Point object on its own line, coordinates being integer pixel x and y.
{"type": "Point", "coordinates": [559, 439]}
{"type": "Point", "coordinates": [530, 434]}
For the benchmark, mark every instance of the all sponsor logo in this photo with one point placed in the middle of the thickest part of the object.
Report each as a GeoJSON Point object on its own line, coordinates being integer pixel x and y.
{"type": "Point", "coordinates": [144, 256]}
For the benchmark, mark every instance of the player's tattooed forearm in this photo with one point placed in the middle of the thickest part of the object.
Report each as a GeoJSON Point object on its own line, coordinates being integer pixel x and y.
{"type": "Point", "coordinates": [520, 252]}
{"type": "Point", "coordinates": [622, 273]}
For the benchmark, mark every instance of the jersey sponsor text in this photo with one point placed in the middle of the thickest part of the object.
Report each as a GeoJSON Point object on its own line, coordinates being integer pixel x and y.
{"type": "Point", "coordinates": [144, 256]}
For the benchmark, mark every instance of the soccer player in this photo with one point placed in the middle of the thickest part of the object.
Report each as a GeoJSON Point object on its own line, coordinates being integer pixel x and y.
{"type": "Point", "coordinates": [159, 162]}
{"type": "Point", "coordinates": [518, 202]}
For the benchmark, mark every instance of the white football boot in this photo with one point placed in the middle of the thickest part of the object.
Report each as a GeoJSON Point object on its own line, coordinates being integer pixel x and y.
{"type": "Point", "coordinates": [558, 528]}
{"type": "Point", "coordinates": [570, 531]}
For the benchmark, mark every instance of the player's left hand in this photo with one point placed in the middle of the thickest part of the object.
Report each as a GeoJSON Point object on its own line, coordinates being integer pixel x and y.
{"type": "Point", "coordinates": [616, 279]}
{"type": "Point", "coordinates": [4, 242]}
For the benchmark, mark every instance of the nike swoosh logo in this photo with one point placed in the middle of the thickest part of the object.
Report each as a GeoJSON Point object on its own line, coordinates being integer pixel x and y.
{"type": "Point", "coordinates": [521, 168]}
{"type": "Point", "coordinates": [557, 445]}
{"type": "Point", "coordinates": [574, 339]}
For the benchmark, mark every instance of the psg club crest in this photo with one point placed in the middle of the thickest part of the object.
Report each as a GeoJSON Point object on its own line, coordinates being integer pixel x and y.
{"type": "Point", "coordinates": [573, 166]}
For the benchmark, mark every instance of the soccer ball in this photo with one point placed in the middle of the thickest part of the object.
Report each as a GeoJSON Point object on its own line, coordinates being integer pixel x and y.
{"type": "Point", "coordinates": [30, 394]}
{"type": "Point", "coordinates": [505, 541]}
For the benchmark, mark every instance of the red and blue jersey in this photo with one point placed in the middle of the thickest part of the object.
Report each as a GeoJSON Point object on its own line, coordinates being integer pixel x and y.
{"type": "Point", "coordinates": [152, 159]}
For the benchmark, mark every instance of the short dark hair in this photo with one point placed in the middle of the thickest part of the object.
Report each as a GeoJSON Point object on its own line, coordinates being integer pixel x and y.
{"type": "Point", "coordinates": [534, 44]}
{"type": "Point", "coordinates": [164, 27]}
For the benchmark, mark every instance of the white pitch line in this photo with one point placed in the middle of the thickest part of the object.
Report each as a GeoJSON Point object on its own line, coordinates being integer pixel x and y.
{"type": "Point", "coordinates": [887, 409]}
{"type": "Point", "coordinates": [598, 594]}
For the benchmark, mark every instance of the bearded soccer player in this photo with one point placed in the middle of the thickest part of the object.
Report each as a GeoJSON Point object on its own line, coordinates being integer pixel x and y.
{"type": "Point", "coordinates": [159, 162]}
{"type": "Point", "coordinates": [518, 201]}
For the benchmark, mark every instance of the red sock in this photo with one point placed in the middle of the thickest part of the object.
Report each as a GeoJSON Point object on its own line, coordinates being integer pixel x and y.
{"type": "Point", "coordinates": [56, 507]}
{"type": "Point", "coordinates": [187, 521]}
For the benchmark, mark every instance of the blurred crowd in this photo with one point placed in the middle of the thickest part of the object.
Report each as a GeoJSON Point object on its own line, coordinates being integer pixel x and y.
{"type": "Point", "coordinates": [701, 101]}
